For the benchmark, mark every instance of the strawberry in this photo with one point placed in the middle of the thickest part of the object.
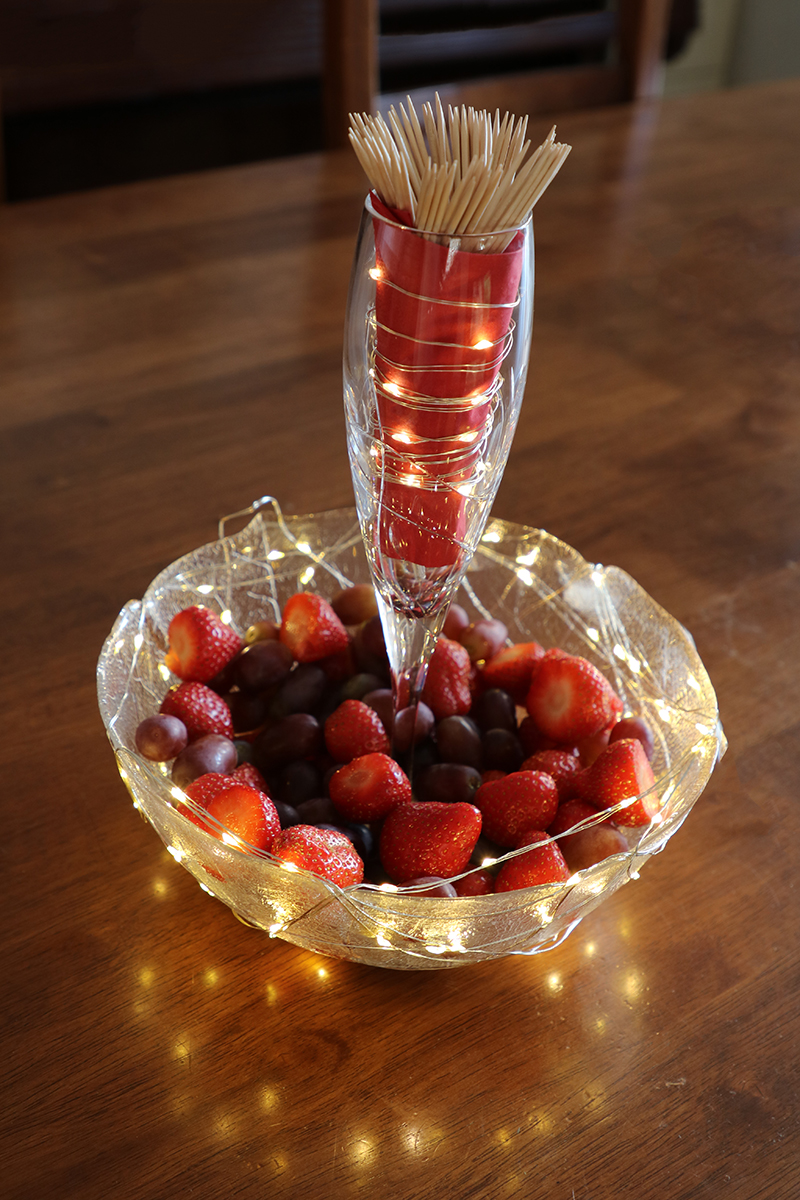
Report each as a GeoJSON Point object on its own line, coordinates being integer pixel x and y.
{"type": "Point", "coordinates": [561, 765]}
{"type": "Point", "coordinates": [511, 669]}
{"type": "Point", "coordinates": [543, 864]}
{"type": "Point", "coordinates": [477, 883]}
{"type": "Point", "coordinates": [622, 773]}
{"type": "Point", "coordinates": [323, 852]}
{"type": "Point", "coordinates": [200, 644]}
{"type": "Point", "coordinates": [430, 838]}
{"type": "Point", "coordinates": [248, 813]}
{"type": "Point", "coordinates": [311, 629]}
{"type": "Point", "coordinates": [354, 729]}
{"type": "Point", "coordinates": [369, 787]}
{"type": "Point", "coordinates": [248, 773]}
{"type": "Point", "coordinates": [201, 710]}
{"type": "Point", "coordinates": [569, 699]}
{"type": "Point", "coordinates": [203, 789]}
{"type": "Point", "coordinates": [514, 803]}
{"type": "Point", "coordinates": [447, 684]}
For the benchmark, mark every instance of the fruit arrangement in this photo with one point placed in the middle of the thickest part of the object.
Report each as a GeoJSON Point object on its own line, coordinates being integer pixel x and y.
{"type": "Point", "coordinates": [285, 736]}
{"type": "Point", "coordinates": [525, 579]}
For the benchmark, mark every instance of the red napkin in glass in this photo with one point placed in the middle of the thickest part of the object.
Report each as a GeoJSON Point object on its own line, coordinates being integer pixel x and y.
{"type": "Point", "coordinates": [443, 316]}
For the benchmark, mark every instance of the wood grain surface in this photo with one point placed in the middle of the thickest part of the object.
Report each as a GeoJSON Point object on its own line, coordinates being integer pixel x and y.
{"type": "Point", "coordinates": [169, 352]}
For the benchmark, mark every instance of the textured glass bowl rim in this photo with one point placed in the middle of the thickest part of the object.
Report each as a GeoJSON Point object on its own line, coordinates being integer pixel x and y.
{"type": "Point", "coordinates": [274, 555]}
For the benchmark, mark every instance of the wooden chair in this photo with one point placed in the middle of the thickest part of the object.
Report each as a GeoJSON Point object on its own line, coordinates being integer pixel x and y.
{"type": "Point", "coordinates": [626, 43]}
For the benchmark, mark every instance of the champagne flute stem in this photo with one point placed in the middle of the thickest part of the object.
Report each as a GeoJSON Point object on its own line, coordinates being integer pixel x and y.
{"type": "Point", "coordinates": [410, 642]}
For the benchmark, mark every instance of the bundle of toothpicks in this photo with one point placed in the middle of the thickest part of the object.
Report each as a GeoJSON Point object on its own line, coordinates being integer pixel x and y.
{"type": "Point", "coordinates": [461, 173]}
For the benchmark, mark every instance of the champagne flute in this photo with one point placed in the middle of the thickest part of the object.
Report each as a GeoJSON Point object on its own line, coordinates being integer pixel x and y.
{"type": "Point", "coordinates": [437, 339]}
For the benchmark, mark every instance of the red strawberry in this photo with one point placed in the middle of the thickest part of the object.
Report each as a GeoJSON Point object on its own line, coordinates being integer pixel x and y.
{"type": "Point", "coordinates": [248, 773]}
{"type": "Point", "coordinates": [244, 810]}
{"type": "Point", "coordinates": [516, 802]}
{"type": "Point", "coordinates": [569, 699]}
{"type": "Point", "coordinates": [447, 685]}
{"type": "Point", "coordinates": [543, 864]}
{"type": "Point", "coordinates": [477, 883]}
{"type": "Point", "coordinates": [201, 710]}
{"type": "Point", "coordinates": [203, 789]}
{"type": "Point", "coordinates": [324, 852]}
{"type": "Point", "coordinates": [311, 629]}
{"type": "Point", "coordinates": [561, 765]}
{"type": "Point", "coordinates": [369, 787]}
{"type": "Point", "coordinates": [511, 669]}
{"type": "Point", "coordinates": [622, 772]}
{"type": "Point", "coordinates": [200, 644]}
{"type": "Point", "coordinates": [428, 839]}
{"type": "Point", "coordinates": [354, 729]}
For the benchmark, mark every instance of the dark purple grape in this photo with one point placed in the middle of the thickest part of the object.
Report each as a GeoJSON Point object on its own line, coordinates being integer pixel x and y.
{"type": "Point", "coordinates": [483, 639]}
{"type": "Point", "coordinates": [424, 755]}
{"type": "Point", "coordinates": [357, 686]}
{"type": "Point", "coordinates": [210, 753]}
{"type": "Point", "coordinates": [369, 648]}
{"type": "Point", "coordinates": [634, 727]}
{"type": "Point", "coordinates": [317, 811]}
{"type": "Point", "coordinates": [495, 709]}
{"type": "Point", "coordinates": [223, 681]}
{"type": "Point", "coordinates": [359, 835]}
{"type": "Point", "coordinates": [298, 781]}
{"type": "Point", "coordinates": [410, 731]}
{"type": "Point", "coordinates": [247, 712]}
{"type": "Point", "coordinates": [447, 782]}
{"type": "Point", "coordinates": [355, 604]}
{"type": "Point", "coordinates": [286, 814]}
{"type": "Point", "coordinates": [244, 751]}
{"type": "Point", "coordinates": [502, 751]}
{"type": "Point", "coordinates": [301, 692]}
{"type": "Point", "coordinates": [261, 665]}
{"type": "Point", "coordinates": [362, 838]}
{"type": "Point", "coordinates": [161, 737]}
{"type": "Point", "coordinates": [297, 736]}
{"type": "Point", "coordinates": [380, 701]}
{"type": "Point", "coordinates": [456, 622]}
{"type": "Point", "coordinates": [459, 741]}
{"type": "Point", "coordinates": [432, 885]}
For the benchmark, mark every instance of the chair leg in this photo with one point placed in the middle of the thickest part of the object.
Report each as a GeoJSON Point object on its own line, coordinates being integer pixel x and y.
{"type": "Point", "coordinates": [350, 64]}
{"type": "Point", "coordinates": [643, 26]}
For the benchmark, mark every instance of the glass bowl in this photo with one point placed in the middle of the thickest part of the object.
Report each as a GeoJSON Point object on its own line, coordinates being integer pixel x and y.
{"type": "Point", "coordinates": [544, 591]}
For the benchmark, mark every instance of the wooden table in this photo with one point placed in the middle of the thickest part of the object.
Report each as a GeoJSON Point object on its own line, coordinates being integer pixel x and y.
{"type": "Point", "coordinates": [170, 351]}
